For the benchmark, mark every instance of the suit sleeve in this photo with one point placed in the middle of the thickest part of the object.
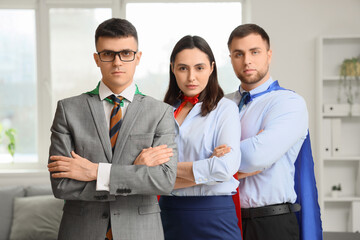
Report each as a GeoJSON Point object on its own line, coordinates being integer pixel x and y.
{"type": "Point", "coordinates": [141, 179]}
{"type": "Point", "coordinates": [62, 144]}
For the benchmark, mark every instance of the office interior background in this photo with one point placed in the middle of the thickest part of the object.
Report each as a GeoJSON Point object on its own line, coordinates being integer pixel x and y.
{"type": "Point", "coordinates": [46, 54]}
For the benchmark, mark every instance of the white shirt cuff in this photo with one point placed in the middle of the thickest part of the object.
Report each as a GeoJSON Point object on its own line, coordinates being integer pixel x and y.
{"type": "Point", "coordinates": [200, 170]}
{"type": "Point", "coordinates": [103, 178]}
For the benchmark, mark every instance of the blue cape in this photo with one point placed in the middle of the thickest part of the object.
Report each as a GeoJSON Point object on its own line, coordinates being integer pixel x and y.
{"type": "Point", "coordinates": [309, 217]}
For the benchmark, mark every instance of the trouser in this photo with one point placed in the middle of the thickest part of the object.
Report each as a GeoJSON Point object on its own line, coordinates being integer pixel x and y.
{"type": "Point", "coordinates": [278, 227]}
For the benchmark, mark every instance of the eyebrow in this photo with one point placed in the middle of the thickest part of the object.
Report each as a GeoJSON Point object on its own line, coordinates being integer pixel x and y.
{"type": "Point", "coordinates": [237, 50]}
{"type": "Point", "coordinates": [127, 49]}
{"type": "Point", "coordinates": [183, 64]}
{"type": "Point", "coordinates": [255, 48]}
{"type": "Point", "coordinates": [251, 49]}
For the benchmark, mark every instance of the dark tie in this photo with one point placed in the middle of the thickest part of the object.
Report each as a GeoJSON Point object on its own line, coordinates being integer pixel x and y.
{"type": "Point", "coordinates": [245, 98]}
{"type": "Point", "coordinates": [115, 119]}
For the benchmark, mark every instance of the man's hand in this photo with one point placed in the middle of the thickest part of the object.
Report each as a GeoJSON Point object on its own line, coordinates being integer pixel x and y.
{"type": "Point", "coordinates": [221, 150]}
{"type": "Point", "coordinates": [154, 156]}
{"type": "Point", "coordinates": [242, 175]}
{"type": "Point", "coordinates": [77, 168]}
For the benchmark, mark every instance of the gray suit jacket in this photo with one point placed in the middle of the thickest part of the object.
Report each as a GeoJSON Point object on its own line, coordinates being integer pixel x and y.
{"type": "Point", "coordinates": [79, 125]}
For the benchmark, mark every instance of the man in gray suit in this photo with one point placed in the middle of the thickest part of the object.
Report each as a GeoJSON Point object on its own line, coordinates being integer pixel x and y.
{"type": "Point", "coordinates": [97, 172]}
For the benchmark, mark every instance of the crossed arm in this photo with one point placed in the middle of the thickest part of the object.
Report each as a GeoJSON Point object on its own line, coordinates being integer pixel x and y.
{"type": "Point", "coordinates": [81, 169]}
{"type": "Point", "coordinates": [74, 175]}
{"type": "Point", "coordinates": [224, 149]}
{"type": "Point", "coordinates": [185, 175]}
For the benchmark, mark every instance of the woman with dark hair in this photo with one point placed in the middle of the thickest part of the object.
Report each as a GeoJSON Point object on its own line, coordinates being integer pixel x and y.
{"type": "Point", "coordinates": [201, 205]}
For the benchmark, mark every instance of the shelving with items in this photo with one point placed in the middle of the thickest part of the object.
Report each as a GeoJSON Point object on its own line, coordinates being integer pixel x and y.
{"type": "Point", "coordinates": [338, 134]}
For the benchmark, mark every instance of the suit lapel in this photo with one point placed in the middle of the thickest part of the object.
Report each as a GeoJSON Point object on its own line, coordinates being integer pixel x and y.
{"type": "Point", "coordinates": [132, 113]}
{"type": "Point", "coordinates": [97, 110]}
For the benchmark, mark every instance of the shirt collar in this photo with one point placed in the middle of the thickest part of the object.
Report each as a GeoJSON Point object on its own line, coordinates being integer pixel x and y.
{"type": "Point", "coordinates": [128, 92]}
{"type": "Point", "coordinates": [261, 88]}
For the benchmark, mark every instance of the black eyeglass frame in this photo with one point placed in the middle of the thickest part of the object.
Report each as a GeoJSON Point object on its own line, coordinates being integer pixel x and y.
{"type": "Point", "coordinates": [118, 54]}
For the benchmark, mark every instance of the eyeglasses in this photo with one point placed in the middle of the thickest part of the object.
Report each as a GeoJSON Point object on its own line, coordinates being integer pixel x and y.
{"type": "Point", "coordinates": [124, 55]}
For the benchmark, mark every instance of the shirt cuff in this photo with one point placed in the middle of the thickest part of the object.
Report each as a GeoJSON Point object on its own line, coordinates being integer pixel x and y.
{"type": "Point", "coordinates": [103, 178]}
{"type": "Point", "coordinates": [201, 172]}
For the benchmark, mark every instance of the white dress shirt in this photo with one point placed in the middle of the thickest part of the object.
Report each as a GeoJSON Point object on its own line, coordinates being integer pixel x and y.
{"type": "Point", "coordinates": [103, 179]}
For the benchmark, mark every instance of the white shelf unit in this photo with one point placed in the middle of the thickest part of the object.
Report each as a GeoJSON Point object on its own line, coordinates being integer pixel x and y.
{"type": "Point", "coordinates": [337, 136]}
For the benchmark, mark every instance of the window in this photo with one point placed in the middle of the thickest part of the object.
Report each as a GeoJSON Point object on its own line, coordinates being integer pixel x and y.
{"type": "Point", "coordinates": [73, 69]}
{"type": "Point", "coordinates": [161, 25]}
{"type": "Point", "coordinates": [18, 101]}
{"type": "Point", "coordinates": [46, 53]}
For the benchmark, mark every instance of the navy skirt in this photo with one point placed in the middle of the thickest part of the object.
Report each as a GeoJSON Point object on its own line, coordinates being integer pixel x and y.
{"type": "Point", "coordinates": [197, 218]}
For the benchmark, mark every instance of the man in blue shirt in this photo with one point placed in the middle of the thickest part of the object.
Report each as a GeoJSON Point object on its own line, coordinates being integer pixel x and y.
{"type": "Point", "coordinates": [274, 125]}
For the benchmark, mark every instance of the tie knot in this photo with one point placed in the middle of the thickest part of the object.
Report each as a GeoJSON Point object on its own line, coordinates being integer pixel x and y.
{"type": "Point", "coordinates": [117, 100]}
{"type": "Point", "coordinates": [193, 100]}
{"type": "Point", "coordinates": [246, 97]}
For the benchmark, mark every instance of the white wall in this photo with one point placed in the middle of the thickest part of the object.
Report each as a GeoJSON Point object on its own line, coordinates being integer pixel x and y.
{"type": "Point", "coordinates": [293, 27]}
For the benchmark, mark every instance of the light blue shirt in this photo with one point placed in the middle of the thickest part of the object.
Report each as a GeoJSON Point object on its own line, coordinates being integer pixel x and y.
{"type": "Point", "coordinates": [196, 139]}
{"type": "Point", "coordinates": [283, 117]}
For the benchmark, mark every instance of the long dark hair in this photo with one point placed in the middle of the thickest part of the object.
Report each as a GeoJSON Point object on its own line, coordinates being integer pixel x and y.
{"type": "Point", "coordinates": [212, 93]}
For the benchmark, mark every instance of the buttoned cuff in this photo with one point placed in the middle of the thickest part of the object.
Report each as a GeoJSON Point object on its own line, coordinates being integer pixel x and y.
{"type": "Point", "coordinates": [201, 172]}
{"type": "Point", "coordinates": [103, 178]}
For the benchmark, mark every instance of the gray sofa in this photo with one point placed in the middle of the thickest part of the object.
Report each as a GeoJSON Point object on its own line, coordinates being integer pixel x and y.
{"type": "Point", "coordinates": [33, 213]}
{"type": "Point", "coordinates": [29, 213]}
{"type": "Point", "coordinates": [341, 236]}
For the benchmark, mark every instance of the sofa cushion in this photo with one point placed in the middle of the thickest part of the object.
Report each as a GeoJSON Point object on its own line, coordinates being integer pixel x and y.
{"type": "Point", "coordinates": [7, 195]}
{"type": "Point", "coordinates": [36, 217]}
{"type": "Point", "coordinates": [37, 190]}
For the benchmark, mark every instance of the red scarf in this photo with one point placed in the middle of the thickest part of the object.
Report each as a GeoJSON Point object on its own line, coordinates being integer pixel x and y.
{"type": "Point", "coordinates": [193, 100]}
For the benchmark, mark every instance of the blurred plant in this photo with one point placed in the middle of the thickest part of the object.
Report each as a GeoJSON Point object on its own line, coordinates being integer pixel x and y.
{"type": "Point", "coordinates": [336, 187]}
{"type": "Point", "coordinates": [349, 68]}
{"type": "Point", "coordinates": [10, 134]}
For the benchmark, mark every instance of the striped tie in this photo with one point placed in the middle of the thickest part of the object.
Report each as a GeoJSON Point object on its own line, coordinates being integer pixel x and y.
{"type": "Point", "coordinates": [115, 119]}
{"type": "Point", "coordinates": [109, 234]}
{"type": "Point", "coordinates": [115, 124]}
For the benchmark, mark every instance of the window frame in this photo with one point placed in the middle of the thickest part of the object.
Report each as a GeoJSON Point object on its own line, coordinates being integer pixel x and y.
{"type": "Point", "coordinates": [45, 109]}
